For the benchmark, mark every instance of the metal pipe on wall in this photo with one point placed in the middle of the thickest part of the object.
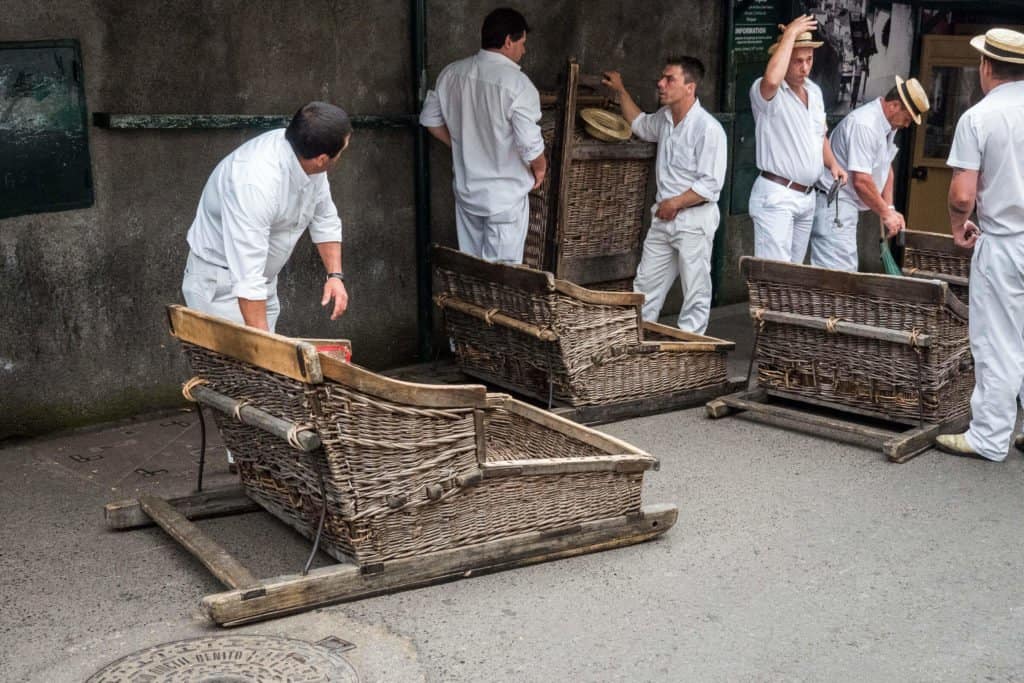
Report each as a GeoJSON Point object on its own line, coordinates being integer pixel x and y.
{"type": "Point", "coordinates": [424, 303]}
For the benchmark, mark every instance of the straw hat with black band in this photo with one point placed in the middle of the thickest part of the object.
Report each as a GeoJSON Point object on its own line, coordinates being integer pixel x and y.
{"type": "Point", "coordinates": [805, 39]}
{"type": "Point", "coordinates": [1001, 44]}
{"type": "Point", "coordinates": [915, 99]}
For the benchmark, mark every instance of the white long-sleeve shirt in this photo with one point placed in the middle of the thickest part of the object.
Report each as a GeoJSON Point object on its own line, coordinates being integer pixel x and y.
{"type": "Point", "coordinates": [492, 112]}
{"type": "Point", "coordinates": [691, 155]}
{"type": "Point", "coordinates": [256, 204]}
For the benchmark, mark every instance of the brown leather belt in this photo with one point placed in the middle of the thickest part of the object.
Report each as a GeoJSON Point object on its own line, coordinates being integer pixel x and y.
{"type": "Point", "coordinates": [787, 182]}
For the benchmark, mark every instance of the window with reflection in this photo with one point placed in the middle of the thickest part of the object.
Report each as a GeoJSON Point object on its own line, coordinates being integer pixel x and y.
{"type": "Point", "coordinates": [954, 90]}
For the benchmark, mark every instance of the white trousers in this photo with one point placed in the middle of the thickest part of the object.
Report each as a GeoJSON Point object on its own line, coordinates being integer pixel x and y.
{"type": "Point", "coordinates": [679, 248]}
{"type": "Point", "coordinates": [782, 220]}
{"type": "Point", "coordinates": [207, 288]}
{"type": "Point", "coordinates": [834, 246]}
{"type": "Point", "coordinates": [499, 238]}
{"type": "Point", "coordinates": [997, 342]}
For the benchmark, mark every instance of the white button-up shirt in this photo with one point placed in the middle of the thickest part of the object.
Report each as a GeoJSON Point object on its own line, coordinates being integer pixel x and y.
{"type": "Point", "coordinates": [255, 206]}
{"type": "Point", "coordinates": [988, 139]}
{"type": "Point", "coordinates": [789, 135]}
{"type": "Point", "coordinates": [492, 112]}
{"type": "Point", "coordinates": [691, 155]}
{"type": "Point", "coordinates": [864, 142]}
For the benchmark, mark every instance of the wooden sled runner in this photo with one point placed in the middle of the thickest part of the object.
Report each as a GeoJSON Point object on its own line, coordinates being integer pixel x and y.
{"type": "Point", "coordinates": [405, 484]}
{"type": "Point", "coordinates": [892, 349]}
{"type": "Point", "coordinates": [589, 351]}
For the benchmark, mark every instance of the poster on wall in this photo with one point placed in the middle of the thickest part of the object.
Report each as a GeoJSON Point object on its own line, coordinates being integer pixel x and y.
{"type": "Point", "coordinates": [866, 44]}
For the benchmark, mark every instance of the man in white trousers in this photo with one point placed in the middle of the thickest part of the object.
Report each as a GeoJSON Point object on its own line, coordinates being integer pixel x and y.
{"type": "Point", "coordinates": [791, 145]}
{"type": "Point", "coordinates": [690, 171]}
{"type": "Point", "coordinates": [987, 158]}
{"type": "Point", "coordinates": [864, 144]}
{"type": "Point", "coordinates": [487, 110]}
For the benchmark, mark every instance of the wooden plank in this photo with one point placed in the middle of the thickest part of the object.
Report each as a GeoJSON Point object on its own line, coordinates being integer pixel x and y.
{"type": "Point", "coordinates": [407, 393]}
{"type": "Point", "coordinates": [861, 284]}
{"type": "Point", "coordinates": [584, 270]}
{"type": "Point", "coordinates": [910, 444]}
{"type": "Point", "coordinates": [495, 317]}
{"type": "Point", "coordinates": [308, 440]}
{"type": "Point", "coordinates": [847, 328]}
{"type": "Point", "coordinates": [480, 430]}
{"type": "Point", "coordinates": [653, 405]}
{"type": "Point", "coordinates": [958, 280]}
{"type": "Point", "coordinates": [273, 352]}
{"type": "Point", "coordinates": [563, 162]}
{"type": "Point", "coordinates": [229, 500]}
{"type": "Point", "coordinates": [518, 277]}
{"type": "Point", "coordinates": [597, 150]}
{"type": "Point", "coordinates": [591, 437]}
{"type": "Point", "coordinates": [339, 583]}
{"type": "Point", "coordinates": [598, 296]}
{"type": "Point", "coordinates": [552, 466]}
{"type": "Point", "coordinates": [682, 335]}
{"type": "Point", "coordinates": [225, 567]}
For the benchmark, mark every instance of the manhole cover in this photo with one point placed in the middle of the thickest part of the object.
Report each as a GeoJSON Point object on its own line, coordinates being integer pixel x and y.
{"type": "Point", "coordinates": [231, 659]}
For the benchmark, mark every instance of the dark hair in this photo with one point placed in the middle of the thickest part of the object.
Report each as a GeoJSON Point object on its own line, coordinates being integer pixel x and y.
{"type": "Point", "coordinates": [692, 68]}
{"type": "Point", "coordinates": [893, 96]}
{"type": "Point", "coordinates": [318, 128]}
{"type": "Point", "coordinates": [1005, 71]}
{"type": "Point", "coordinates": [500, 23]}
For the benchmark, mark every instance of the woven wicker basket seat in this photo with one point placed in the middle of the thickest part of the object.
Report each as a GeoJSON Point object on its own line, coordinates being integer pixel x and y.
{"type": "Point", "coordinates": [405, 468]}
{"type": "Point", "coordinates": [548, 338]}
{"type": "Point", "coordinates": [894, 348]}
{"type": "Point", "coordinates": [935, 257]}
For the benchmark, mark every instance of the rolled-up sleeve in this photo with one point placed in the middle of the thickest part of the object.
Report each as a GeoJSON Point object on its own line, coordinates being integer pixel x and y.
{"type": "Point", "coordinates": [246, 215]}
{"type": "Point", "coordinates": [711, 162]}
{"type": "Point", "coordinates": [431, 116]}
{"type": "Point", "coordinates": [326, 224]}
{"type": "Point", "coordinates": [525, 118]}
{"type": "Point", "coordinates": [965, 152]}
{"type": "Point", "coordinates": [645, 126]}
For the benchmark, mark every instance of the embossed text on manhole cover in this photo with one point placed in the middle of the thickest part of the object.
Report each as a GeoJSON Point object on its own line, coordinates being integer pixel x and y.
{"type": "Point", "coordinates": [231, 659]}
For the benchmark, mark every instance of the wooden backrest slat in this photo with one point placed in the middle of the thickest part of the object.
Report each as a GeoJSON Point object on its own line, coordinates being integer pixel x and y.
{"type": "Point", "coordinates": [519, 277]}
{"type": "Point", "coordinates": [406, 393]}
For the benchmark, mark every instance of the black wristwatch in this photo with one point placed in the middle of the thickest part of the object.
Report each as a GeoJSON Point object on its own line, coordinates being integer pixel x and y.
{"type": "Point", "coordinates": [338, 276]}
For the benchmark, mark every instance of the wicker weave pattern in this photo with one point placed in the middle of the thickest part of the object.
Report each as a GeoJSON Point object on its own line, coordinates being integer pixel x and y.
{"type": "Point", "coordinates": [878, 376]}
{"type": "Point", "coordinates": [606, 200]}
{"type": "Point", "coordinates": [940, 262]}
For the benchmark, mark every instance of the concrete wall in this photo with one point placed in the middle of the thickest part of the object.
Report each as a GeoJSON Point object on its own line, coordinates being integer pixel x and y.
{"type": "Point", "coordinates": [82, 292]}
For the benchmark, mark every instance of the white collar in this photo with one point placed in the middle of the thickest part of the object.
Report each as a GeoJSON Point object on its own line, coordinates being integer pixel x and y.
{"type": "Point", "coordinates": [497, 58]}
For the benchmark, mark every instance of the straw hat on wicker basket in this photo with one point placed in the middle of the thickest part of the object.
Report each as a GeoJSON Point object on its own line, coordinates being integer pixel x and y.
{"type": "Point", "coordinates": [604, 125]}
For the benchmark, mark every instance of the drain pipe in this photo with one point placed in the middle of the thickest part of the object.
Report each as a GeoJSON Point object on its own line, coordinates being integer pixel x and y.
{"type": "Point", "coordinates": [424, 303]}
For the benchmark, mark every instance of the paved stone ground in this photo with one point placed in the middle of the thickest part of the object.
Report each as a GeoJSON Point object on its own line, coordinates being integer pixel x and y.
{"type": "Point", "coordinates": [794, 558]}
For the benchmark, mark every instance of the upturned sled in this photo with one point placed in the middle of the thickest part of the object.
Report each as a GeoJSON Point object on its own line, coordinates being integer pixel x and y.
{"type": "Point", "coordinates": [404, 484]}
{"type": "Point", "coordinates": [890, 348]}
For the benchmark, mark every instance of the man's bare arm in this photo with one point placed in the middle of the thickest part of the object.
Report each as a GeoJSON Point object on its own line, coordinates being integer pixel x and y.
{"type": "Point", "coordinates": [441, 133]}
{"type": "Point", "coordinates": [613, 80]}
{"type": "Point", "coordinates": [775, 72]}
{"type": "Point", "coordinates": [963, 194]}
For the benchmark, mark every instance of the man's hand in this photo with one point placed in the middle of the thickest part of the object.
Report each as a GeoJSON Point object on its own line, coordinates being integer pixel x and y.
{"type": "Point", "coordinates": [966, 235]}
{"type": "Point", "coordinates": [668, 209]}
{"type": "Point", "coordinates": [335, 289]}
{"type": "Point", "coordinates": [802, 24]}
{"type": "Point", "coordinates": [613, 81]}
{"type": "Point", "coordinates": [539, 168]}
{"type": "Point", "coordinates": [838, 173]}
{"type": "Point", "coordinates": [894, 222]}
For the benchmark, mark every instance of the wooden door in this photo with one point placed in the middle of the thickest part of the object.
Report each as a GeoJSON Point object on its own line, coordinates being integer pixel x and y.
{"type": "Point", "coordinates": [949, 74]}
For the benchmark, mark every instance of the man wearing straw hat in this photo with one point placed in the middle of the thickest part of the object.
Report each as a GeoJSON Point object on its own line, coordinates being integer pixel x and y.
{"type": "Point", "coordinates": [487, 110]}
{"type": "Point", "coordinates": [987, 157]}
{"type": "Point", "coordinates": [864, 144]}
{"type": "Point", "coordinates": [690, 170]}
{"type": "Point", "coordinates": [789, 128]}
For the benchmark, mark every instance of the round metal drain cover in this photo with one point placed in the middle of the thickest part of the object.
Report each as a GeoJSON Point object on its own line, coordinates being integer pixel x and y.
{"type": "Point", "coordinates": [231, 659]}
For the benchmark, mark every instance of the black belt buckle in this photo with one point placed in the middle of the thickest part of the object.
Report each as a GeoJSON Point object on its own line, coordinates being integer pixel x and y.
{"type": "Point", "coordinates": [833, 192]}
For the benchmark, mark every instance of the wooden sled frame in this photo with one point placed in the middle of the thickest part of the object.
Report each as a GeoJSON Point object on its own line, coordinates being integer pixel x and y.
{"type": "Point", "coordinates": [249, 599]}
{"type": "Point", "coordinates": [900, 439]}
{"type": "Point", "coordinates": [252, 599]}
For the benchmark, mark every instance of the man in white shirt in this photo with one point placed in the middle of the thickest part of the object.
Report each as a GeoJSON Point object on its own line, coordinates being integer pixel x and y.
{"type": "Point", "coordinates": [864, 144]}
{"type": "Point", "coordinates": [487, 110]}
{"type": "Point", "coordinates": [690, 171]}
{"type": "Point", "coordinates": [987, 158]}
{"type": "Point", "coordinates": [256, 204]}
{"type": "Point", "coordinates": [789, 128]}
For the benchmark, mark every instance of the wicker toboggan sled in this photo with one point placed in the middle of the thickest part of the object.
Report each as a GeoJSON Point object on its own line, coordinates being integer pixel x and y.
{"type": "Point", "coordinates": [403, 483]}
{"type": "Point", "coordinates": [932, 256]}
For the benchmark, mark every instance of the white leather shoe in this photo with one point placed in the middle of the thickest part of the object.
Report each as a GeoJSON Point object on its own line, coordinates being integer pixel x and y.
{"type": "Point", "coordinates": [956, 444]}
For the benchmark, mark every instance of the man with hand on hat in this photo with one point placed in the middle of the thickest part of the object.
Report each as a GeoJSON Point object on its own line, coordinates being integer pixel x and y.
{"type": "Point", "coordinates": [987, 157]}
{"type": "Point", "coordinates": [792, 148]}
{"type": "Point", "coordinates": [863, 143]}
{"type": "Point", "coordinates": [690, 170]}
{"type": "Point", "coordinates": [487, 110]}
